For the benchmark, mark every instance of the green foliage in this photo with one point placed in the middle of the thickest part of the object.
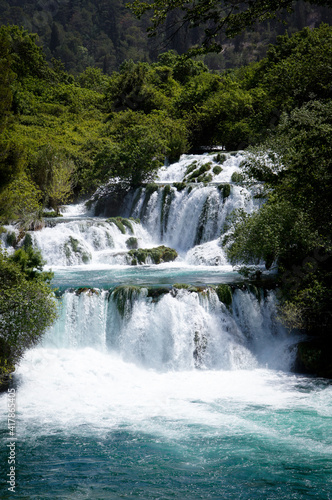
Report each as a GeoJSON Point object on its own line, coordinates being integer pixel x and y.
{"type": "Point", "coordinates": [286, 68]}
{"type": "Point", "coordinates": [216, 170]}
{"type": "Point", "coordinates": [6, 78]}
{"type": "Point", "coordinates": [132, 243]}
{"type": "Point", "coordinates": [93, 79]}
{"type": "Point", "coordinates": [133, 89]}
{"type": "Point", "coordinates": [237, 177]}
{"type": "Point", "coordinates": [27, 57]}
{"type": "Point", "coordinates": [12, 161]}
{"type": "Point", "coordinates": [140, 148]}
{"type": "Point", "coordinates": [19, 201]}
{"type": "Point", "coordinates": [293, 228]}
{"type": "Point", "coordinates": [220, 158]}
{"type": "Point", "coordinates": [11, 239]}
{"type": "Point", "coordinates": [27, 306]}
{"type": "Point", "coordinates": [30, 261]}
{"type": "Point", "coordinates": [179, 186]}
{"type": "Point", "coordinates": [61, 138]}
{"type": "Point", "coordinates": [59, 187]}
{"type": "Point", "coordinates": [277, 232]}
{"type": "Point", "coordinates": [225, 189]}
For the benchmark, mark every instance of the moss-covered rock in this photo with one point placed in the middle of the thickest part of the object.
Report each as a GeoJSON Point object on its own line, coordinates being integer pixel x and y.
{"type": "Point", "coordinates": [122, 224]}
{"type": "Point", "coordinates": [118, 223]}
{"type": "Point", "coordinates": [179, 186]}
{"type": "Point", "coordinates": [225, 189]}
{"type": "Point", "coordinates": [151, 188]}
{"type": "Point", "coordinates": [167, 196]}
{"type": "Point", "coordinates": [52, 214]}
{"type": "Point", "coordinates": [216, 170]}
{"type": "Point", "coordinates": [220, 158]}
{"type": "Point", "coordinates": [237, 177]}
{"type": "Point", "coordinates": [185, 286]}
{"type": "Point", "coordinates": [124, 297]}
{"type": "Point", "coordinates": [224, 293]}
{"type": "Point", "coordinates": [87, 290]}
{"type": "Point", "coordinates": [200, 342]}
{"type": "Point", "coordinates": [198, 174]}
{"type": "Point", "coordinates": [157, 292]}
{"type": "Point", "coordinates": [128, 225]}
{"type": "Point", "coordinates": [74, 246]}
{"type": "Point", "coordinates": [157, 255]}
{"type": "Point", "coordinates": [132, 243]}
{"type": "Point", "coordinates": [191, 167]}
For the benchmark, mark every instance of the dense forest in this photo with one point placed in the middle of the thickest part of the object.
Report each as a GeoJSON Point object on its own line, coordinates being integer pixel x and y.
{"type": "Point", "coordinates": [105, 33]}
{"type": "Point", "coordinates": [65, 133]}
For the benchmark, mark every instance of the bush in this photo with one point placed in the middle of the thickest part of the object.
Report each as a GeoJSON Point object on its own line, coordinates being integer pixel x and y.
{"type": "Point", "coordinates": [25, 290]}
{"type": "Point", "coordinates": [237, 177]}
{"type": "Point", "coordinates": [216, 170]}
{"type": "Point", "coordinates": [132, 243]}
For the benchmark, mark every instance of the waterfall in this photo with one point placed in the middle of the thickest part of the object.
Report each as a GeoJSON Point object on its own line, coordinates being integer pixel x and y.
{"type": "Point", "coordinates": [174, 329]}
{"type": "Point", "coordinates": [89, 241]}
{"type": "Point", "coordinates": [194, 215]}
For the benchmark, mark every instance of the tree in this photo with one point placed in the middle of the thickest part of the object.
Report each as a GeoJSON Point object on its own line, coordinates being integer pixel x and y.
{"type": "Point", "coordinates": [134, 159]}
{"type": "Point", "coordinates": [27, 306]}
{"type": "Point", "coordinates": [228, 16]}
{"type": "Point", "coordinates": [27, 58]}
{"type": "Point", "coordinates": [62, 182]}
{"type": "Point", "coordinates": [293, 228]}
{"type": "Point", "coordinates": [19, 202]}
{"type": "Point", "coordinates": [6, 78]}
{"type": "Point", "coordinates": [53, 171]}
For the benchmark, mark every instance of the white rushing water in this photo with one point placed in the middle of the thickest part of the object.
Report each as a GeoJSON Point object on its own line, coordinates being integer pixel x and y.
{"type": "Point", "coordinates": [190, 220]}
{"type": "Point", "coordinates": [178, 330]}
{"type": "Point", "coordinates": [88, 241]}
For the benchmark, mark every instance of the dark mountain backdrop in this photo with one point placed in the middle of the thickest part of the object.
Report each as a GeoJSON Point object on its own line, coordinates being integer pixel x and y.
{"type": "Point", "coordinates": [104, 33]}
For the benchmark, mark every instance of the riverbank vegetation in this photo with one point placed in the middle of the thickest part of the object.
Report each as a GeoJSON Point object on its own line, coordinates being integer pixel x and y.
{"type": "Point", "coordinates": [27, 306]}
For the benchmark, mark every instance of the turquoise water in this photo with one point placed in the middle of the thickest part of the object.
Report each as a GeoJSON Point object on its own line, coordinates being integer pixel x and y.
{"type": "Point", "coordinates": [142, 275]}
{"type": "Point", "coordinates": [113, 430]}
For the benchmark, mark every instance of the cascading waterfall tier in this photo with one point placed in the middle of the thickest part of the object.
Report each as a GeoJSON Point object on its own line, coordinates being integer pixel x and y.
{"type": "Point", "coordinates": [90, 241]}
{"type": "Point", "coordinates": [180, 211]}
{"type": "Point", "coordinates": [189, 217]}
{"type": "Point", "coordinates": [175, 328]}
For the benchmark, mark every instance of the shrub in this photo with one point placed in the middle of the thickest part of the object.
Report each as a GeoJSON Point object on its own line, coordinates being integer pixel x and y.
{"type": "Point", "coordinates": [216, 170]}
{"type": "Point", "coordinates": [237, 177]}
